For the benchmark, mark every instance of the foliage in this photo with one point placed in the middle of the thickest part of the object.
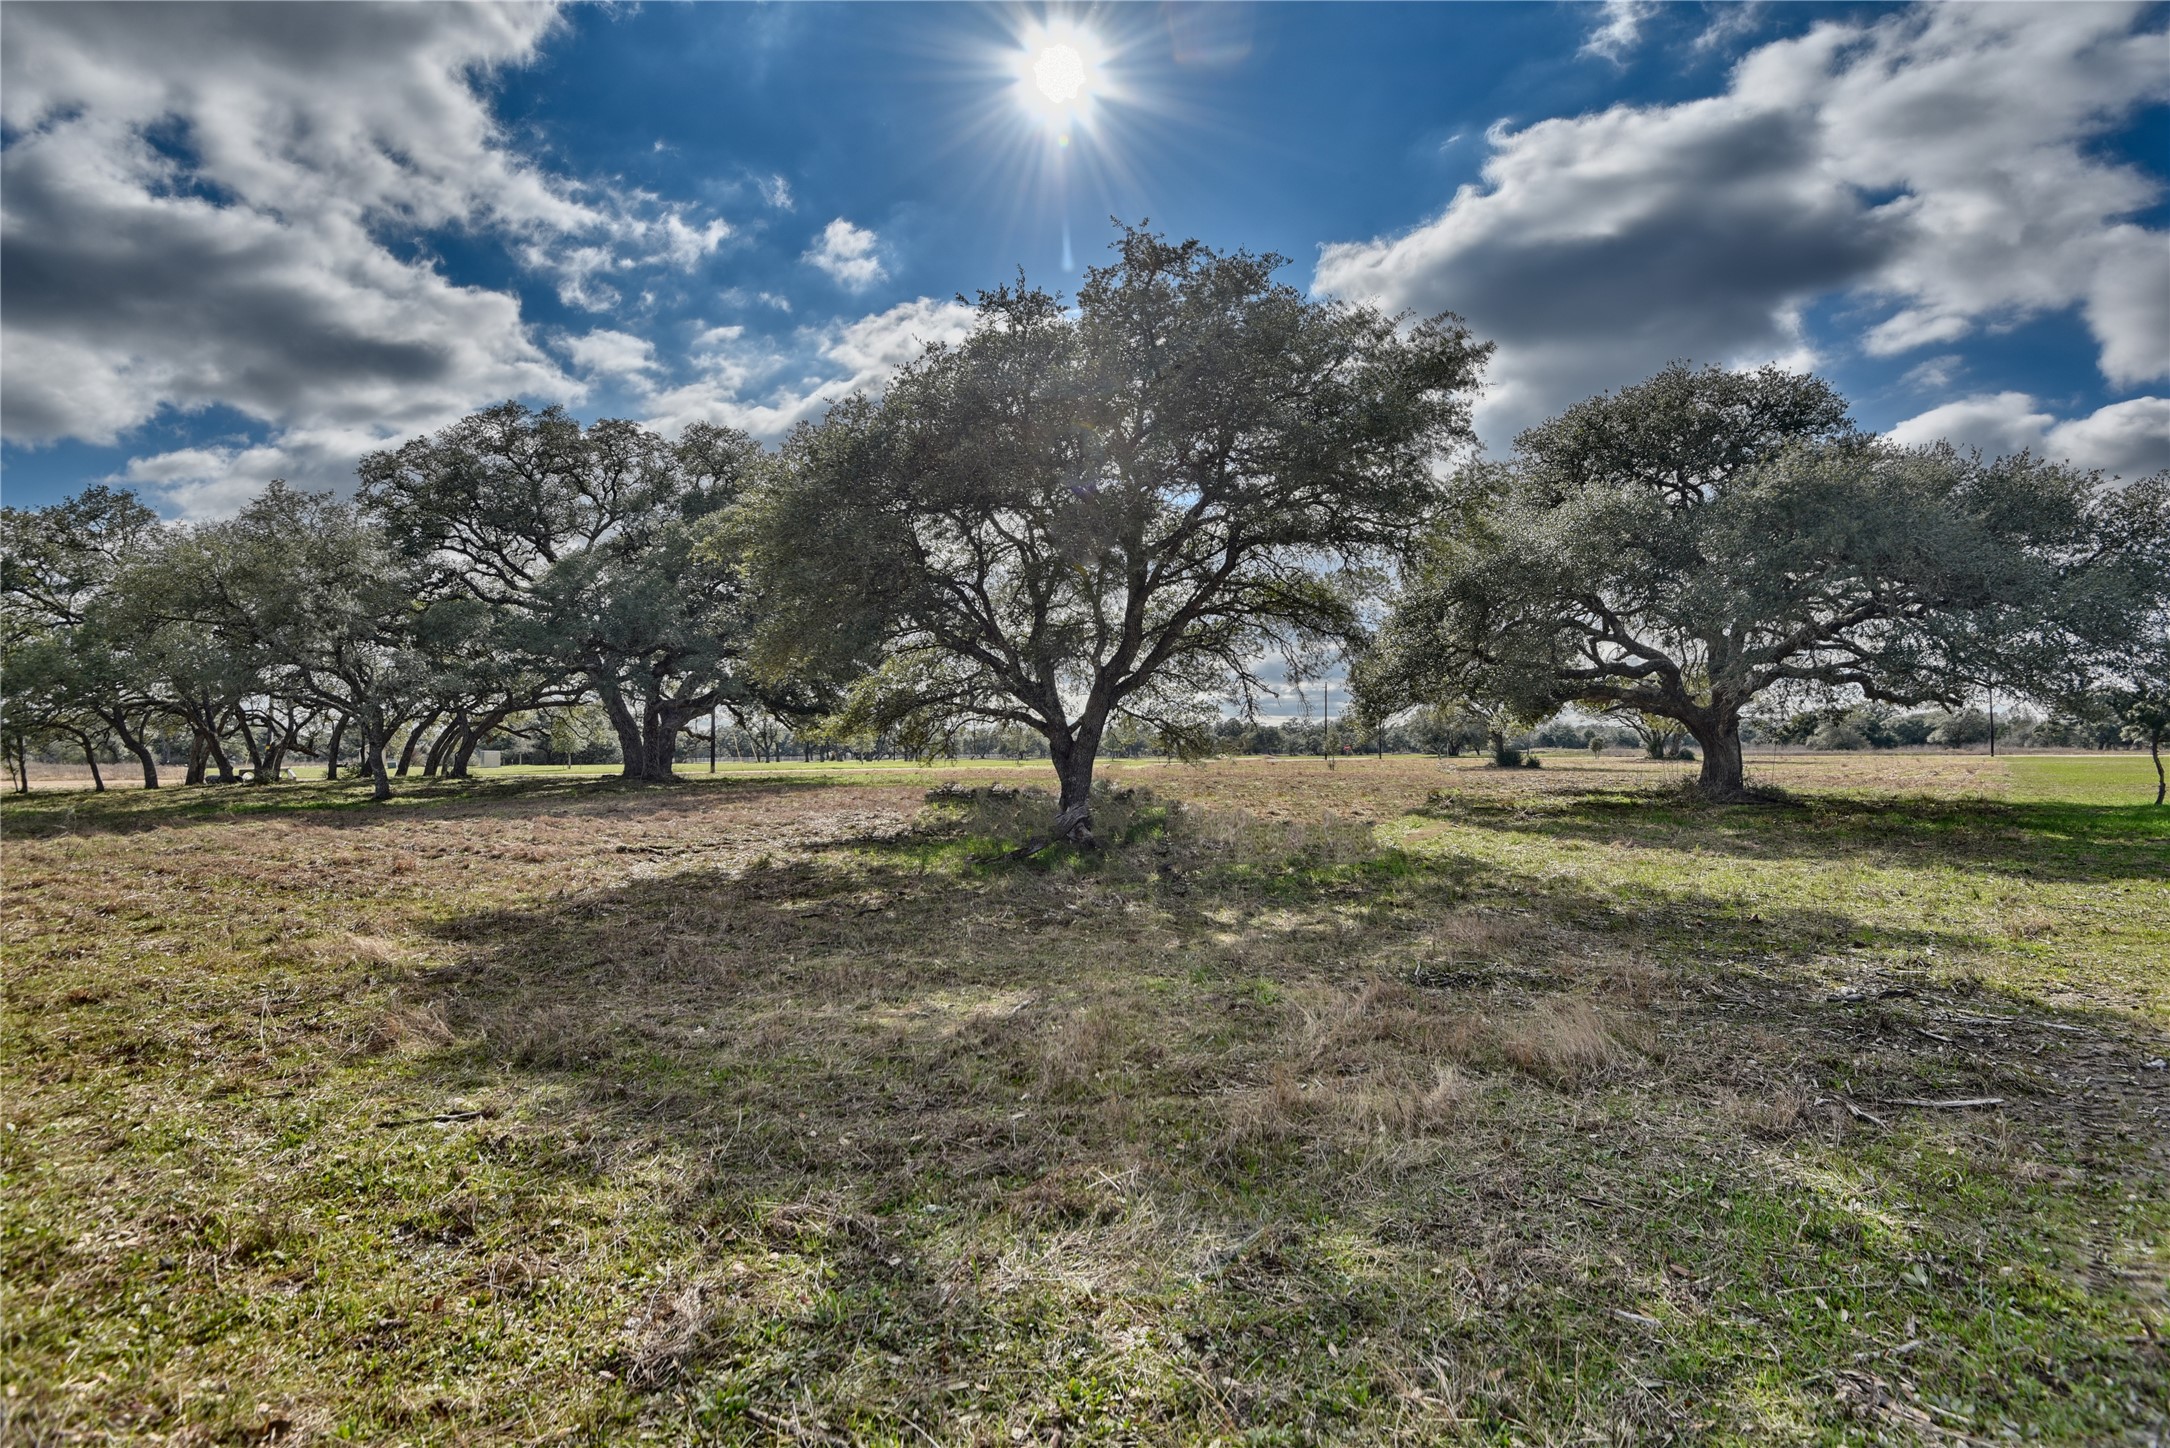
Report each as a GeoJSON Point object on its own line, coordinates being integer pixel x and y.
{"type": "Point", "coordinates": [1685, 545]}
{"type": "Point", "coordinates": [1111, 514]}
{"type": "Point", "coordinates": [580, 544]}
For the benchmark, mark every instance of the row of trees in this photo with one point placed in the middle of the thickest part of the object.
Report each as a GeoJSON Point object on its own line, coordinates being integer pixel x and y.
{"type": "Point", "coordinates": [1091, 523]}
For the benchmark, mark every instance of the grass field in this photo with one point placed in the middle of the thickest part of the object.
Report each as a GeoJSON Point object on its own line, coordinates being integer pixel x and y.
{"type": "Point", "coordinates": [1392, 1102]}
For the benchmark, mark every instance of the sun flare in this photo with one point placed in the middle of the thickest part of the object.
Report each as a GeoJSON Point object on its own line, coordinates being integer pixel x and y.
{"type": "Point", "coordinates": [1059, 72]}
{"type": "Point", "coordinates": [1058, 75]}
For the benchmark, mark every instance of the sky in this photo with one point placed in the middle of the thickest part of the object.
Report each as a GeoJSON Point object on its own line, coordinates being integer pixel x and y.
{"type": "Point", "coordinates": [247, 242]}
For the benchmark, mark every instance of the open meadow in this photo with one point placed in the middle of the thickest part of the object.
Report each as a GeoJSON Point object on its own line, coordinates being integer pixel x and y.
{"type": "Point", "coordinates": [1395, 1102]}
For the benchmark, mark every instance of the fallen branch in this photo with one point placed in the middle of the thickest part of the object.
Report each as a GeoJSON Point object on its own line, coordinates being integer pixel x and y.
{"type": "Point", "coordinates": [437, 1120]}
{"type": "Point", "coordinates": [1962, 1103]}
{"type": "Point", "coordinates": [1852, 1110]}
{"type": "Point", "coordinates": [801, 1431]}
{"type": "Point", "coordinates": [2016, 1021]}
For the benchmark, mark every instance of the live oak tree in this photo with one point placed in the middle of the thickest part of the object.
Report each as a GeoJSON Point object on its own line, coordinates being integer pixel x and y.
{"type": "Point", "coordinates": [72, 652]}
{"type": "Point", "coordinates": [311, 590]}
{"type": "Point", "coordinates": [1684, 545]}
{"type": "Point", "coordinates": [583, 544]}
{"type": "Point", "coordinates": [1077, 517]}
{"type": "Point", "coordinates": [2140, 698]}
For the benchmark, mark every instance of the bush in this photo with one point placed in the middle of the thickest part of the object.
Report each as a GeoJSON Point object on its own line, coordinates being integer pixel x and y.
{"type": "Point", "coordinates": [1838, 734]}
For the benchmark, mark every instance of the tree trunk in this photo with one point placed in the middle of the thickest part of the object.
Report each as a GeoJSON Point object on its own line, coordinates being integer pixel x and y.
{"type": "Point", "coordinates": [133, 743]}
{"type": "Point", "coordinates": [331, 750]}
{"type": "Point", "coordinates": [632, 746]}
{"type": "Point", "coordinates": [373, 757]}
{"type": "Point", "coordinates": [1719, 736]}
{"type": "Point", "coordinates": [648, 742]}
{"type": "Point", "coordinates": [219, 758]}
{"type": "Point", "coordinates": [471, 734]}
{"type": "Point", "coordinates": [1074, 760]}
{"type": "Point", "coordinates": [414, 740]}
{"type": "Point", "coordinates": [462, 752]}
{"type": "Point", "coordinates": [440, 748]}
{"type": "Point", "coordinates": [248, 739]}
{"type": "Point", "coordinates": [97, 777]}
{"type": "Point", "coordinates": [198, 757]}
{"type": "Point", "coordinates": [2154, 752]}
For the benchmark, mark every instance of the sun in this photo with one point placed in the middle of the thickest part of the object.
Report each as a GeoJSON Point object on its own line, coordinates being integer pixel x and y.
{"type": "Point", "coordinates": [1058, 75]}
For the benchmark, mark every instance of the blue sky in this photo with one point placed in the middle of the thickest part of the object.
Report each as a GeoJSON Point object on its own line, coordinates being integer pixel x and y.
{"type": "Point", "coordinates": [256, 241]}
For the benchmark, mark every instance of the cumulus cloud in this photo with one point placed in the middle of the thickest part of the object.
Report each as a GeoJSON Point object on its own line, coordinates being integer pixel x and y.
{"type": "Point", "coordinates": [1935, 165]}
{"type": "Point", "coordinates": [212, 206]}
{"type": "Point", "coordinates": [847, 254]}
{"type": "Point", "coordinates": [216, 479]}
{"type": "Point", "coordinates": [608, 354]}
{"type": "Point", "coordinates": [2129, 439]}
{"type": "Point", "coordinates": [767, 389]}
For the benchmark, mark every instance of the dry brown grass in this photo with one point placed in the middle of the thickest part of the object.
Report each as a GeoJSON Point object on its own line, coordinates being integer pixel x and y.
{"type": "Point", "coordinates": [1572, 1043]}
{"type": "Point", "coordinates": [762, 1111]}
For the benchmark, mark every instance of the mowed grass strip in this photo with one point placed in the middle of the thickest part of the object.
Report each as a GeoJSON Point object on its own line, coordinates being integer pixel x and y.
{"type": "Point", "coordinates": [1394, 1101]}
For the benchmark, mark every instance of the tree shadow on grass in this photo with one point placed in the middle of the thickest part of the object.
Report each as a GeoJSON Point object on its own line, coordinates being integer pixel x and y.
{"type": "Point", "coordinates": [991, 1111]}
{"type": "Point", "coordinates": [2051, 841]}
{"type": "Point", "coordinates": [338, 802]}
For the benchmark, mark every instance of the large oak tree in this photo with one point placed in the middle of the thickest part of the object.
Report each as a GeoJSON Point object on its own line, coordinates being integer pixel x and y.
{"type": "Point", "coordinates": [1109, 513]}
{"type": "Point", "coordinates": [1682, 546]}
{"type": "Point", "coordinates": [582, 543]}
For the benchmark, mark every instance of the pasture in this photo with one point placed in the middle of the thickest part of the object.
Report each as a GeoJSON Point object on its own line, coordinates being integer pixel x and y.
{"type": "Point", "coordinates": [1397, 1102]}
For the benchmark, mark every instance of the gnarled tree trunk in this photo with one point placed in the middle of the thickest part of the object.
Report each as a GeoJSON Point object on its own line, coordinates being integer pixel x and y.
{"type": "Point", "coordinates": [414, 740]}
{"type": "Point", "coordinates": [1074, 760]}
{"type": "Point", "coordinates": [133, 743]}
{"type": "Point", "coordinates": [373, 743]}
{"type": "Point", "coordinates": [1718, 734]}
{"type": "Point", "coordinates": [648, 741]}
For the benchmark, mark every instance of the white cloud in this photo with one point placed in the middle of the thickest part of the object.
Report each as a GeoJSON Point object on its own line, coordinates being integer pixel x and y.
{"type": "Point", "coordinates": [776, 192]}
{"type": "Point", "coordinates": [766, 389]}
{"type": "Point", "coordinates": [216, 480]}
{"type": "Point", "coordinates": [605, 353]}
{"type": "Point", "coordinates": [2130, 439]}
{"type": "Point", "coordinates": [847, 254]}
{"type": "Point", "coordinates": [1620, 27]}
{"type": "Point", "coordinates": [218, 206]}
{"type": "Point", "coordinates": [1729, 21]}
{"type": "Point", "coordinates": [1934, 375]}
{"type": "Point", "coordinates": [1935, 164]}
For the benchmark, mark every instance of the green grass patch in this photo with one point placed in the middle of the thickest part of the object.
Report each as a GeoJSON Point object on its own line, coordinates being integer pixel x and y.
{"type": "Point", "coordinates": [2112, 779]}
